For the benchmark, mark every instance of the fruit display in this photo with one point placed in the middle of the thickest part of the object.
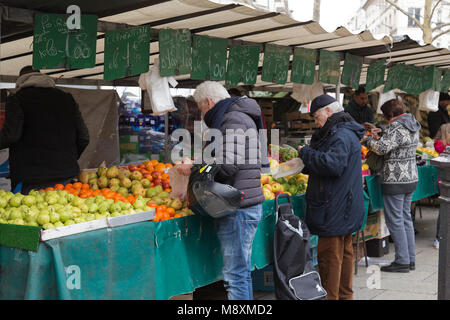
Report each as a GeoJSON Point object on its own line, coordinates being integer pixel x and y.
{"type": "Point", "coordinates": [282, 153]}
{"type": "Point", "coordinates": [57, 208]}
{"type": "Point", "coordinates": [429, 152]}
{"type": "Point", "coordinates": [294, 184]}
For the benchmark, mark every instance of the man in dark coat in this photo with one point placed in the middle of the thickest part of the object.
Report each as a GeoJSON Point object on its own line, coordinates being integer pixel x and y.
{"type": "Point", "coordinates": [440, 117]}
{"type": "Point", "coordinates": [240, 167]}
{"type": "Point", "coordinates": [358, 108]}
{"type": "Point", "coordinates": [334, 197]}
{"type": "Point", "coordinates": [44, 131]}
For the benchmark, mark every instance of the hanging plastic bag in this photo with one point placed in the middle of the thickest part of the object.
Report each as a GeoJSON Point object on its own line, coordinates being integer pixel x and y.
{"type": "Point", "coordinates": [429, 101]}
{"type": "Point", "coordinates": [305, 93]}
{"type": "Point", "coordinates": [288, 168]}
{"type": "Point", "coordinates": [179, 183]}
{"type": "Point", "coordinates": [158, 90]}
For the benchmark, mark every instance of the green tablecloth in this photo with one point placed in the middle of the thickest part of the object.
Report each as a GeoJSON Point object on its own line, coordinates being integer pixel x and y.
{"type": "Point", "coordinates": [145, 260]}
{"type": "Point", "coordinates": [427, 186]}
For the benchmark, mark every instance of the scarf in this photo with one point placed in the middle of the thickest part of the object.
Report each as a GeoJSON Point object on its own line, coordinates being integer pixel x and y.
{"type": "Point", "coordinates": [322, 134]}
{"type": "Point", "coordinates": [213, 118]}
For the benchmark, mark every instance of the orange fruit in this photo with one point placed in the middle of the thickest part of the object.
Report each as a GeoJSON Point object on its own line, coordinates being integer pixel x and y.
{"type": "Point", "coordinates": [165, 176]}
{"type": "Point", "coordinates": [160, 167]}
{"type": "Point", "coordinates": [169, 165]}
{"type": "Point", "coordinates": [151, 204]}
{"type": "Point", "coordinates": [49, 189]}
{"type": "Point", "coordinates": [84, 186]}
{"type": "Point", "coordinates": [178, 215]}
{"type": "Point", "coordinates": [154, 162]}
{"type": "Point", "coordinates": [59, 186]}
{"type": "Point", "coordinates": [77, 185]}
{"type": "Point", "coordinates": [171, 211]}
{"type": "Point", "coordinates": [68, 186]}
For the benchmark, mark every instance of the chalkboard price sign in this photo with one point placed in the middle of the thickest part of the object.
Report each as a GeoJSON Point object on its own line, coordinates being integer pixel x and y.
{"type": "Point", "coordinates": [329, 67]}
{"type": "Point", "coordinates": [175, 52]}
{"type": "Point", "coordinates": [127, 52]}
{"type": "Point", "coordinates": [304, 65]}
{"type": "Point", "coordinates": [375, 75]}
{"type": "Point", "coordinates": [394, 78]}
{"type": "Point", "coordinates": [55, 46]}
{"type": "Point", "coordinates": [276, 64]}
{"type": "Point", "coordinates": [411, 79]}
{"type": "Point", "coordinates": [445, 84]}
{"type": "Point", "coordinates": [242, 65]}
{"type": "Point", "coordinates": [432, 79]}
{"type": "Point", "coordinates": [351, 73]}
{"type": "Point", "coordinates": [209, 58]}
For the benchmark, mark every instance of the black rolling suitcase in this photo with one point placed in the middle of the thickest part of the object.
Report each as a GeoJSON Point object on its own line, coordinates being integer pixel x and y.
{"type": "Point", "coordinates": [295, 277]}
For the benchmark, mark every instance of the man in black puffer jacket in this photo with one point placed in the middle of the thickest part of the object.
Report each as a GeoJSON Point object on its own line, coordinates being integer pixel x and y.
{"type": "Point", "coordinates": [240, 168]}
{"type": "Point", "coordinates": [44, 131]}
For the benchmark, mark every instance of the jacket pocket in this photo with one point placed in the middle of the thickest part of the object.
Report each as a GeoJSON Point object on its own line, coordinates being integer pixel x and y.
{"type": "Point", "coordinates": [348, 206]}
{"type": "Point", "coordinates": [317, 214]}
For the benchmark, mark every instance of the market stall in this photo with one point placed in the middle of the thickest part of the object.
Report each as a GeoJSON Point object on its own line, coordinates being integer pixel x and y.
{"type": "Point", "coordinates": [173, 251]}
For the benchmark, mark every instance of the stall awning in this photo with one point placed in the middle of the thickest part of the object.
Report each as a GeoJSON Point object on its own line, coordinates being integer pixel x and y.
{"type": "Point", "coordinates": [239, 24]}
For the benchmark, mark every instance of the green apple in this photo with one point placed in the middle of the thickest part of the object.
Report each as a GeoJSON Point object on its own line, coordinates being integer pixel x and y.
{"type": "Point", "coordinates": [93, 207]}
{"type": "Point", "coordinates": [103, 208]}
{"type": "Point", "coordinates": [62, 200]}
{"type": "Point", "coordinates": [32, 223]}
{"type": "Point", "coordinates": [3, 202]}
{"type": "Point", "coordinates": [65, 215]}
{"type": "Point", "coordinates": [18, 222]}
{"type": "Point", "coordinates": [14, 214]}
{"type": "Point", "coordinates": [54, 217]}
{"type": "Point", "coordinates": [69, 222]}
{"type": "Point", "coordinates": [90, 217]}
{"type": "Point", "coordinates": [116, 214]}
{"type": "Point", "coordinates": [48, 226]}
{"type": "Point", "coordinates": [58, 224]}
{"type": "Point", "coordinates": [79, 220]}
{"type": "Point", "coordinates": [40, 198]}
{"type": "Point", "coordinates": [43, 219]}
{"type": "Point", "coordinates": [15, 201]}
{"type": "Point", "coordinates": [29, 200]}
{"type": "Point", "coordinates": [115, 207]}
{"type": "Point", "coordinates": [30, 216]}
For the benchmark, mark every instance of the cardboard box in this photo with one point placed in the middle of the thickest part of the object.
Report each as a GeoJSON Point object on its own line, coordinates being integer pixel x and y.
{"type": "Point", "coordinates": [376, 227]}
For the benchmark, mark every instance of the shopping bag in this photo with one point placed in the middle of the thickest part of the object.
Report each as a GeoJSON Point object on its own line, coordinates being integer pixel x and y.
{"type": "Point", "coordinates": [178, 183]}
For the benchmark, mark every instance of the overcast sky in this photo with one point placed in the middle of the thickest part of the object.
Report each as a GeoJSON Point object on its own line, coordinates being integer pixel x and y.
{"type": "Point", "coordinates": [333, 13]}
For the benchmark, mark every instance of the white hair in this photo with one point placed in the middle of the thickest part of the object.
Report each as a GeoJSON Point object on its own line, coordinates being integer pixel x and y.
{"type": "Point", "coordinates": [210, 89]}
{"type": "Point", "coordinates": [335, 107]}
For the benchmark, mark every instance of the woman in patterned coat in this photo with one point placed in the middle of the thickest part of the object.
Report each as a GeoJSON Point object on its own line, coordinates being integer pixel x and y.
{"type": "Point", "coordinates": [399, 177]}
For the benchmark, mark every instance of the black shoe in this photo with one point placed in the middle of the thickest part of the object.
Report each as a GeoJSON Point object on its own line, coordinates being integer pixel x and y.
{"type": "Point", "coordinates": [412, 266]}
{"type": "Point", "coordinates": [396, 267]}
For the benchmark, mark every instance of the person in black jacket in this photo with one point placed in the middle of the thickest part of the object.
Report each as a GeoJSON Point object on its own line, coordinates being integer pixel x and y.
{"type": "Point", "coordinates": [44, 131]}
{"type": "Point", "coordinates": [440, 117]}
{"type": "Point", "coordinates": [240, 167]}
{"type": "Point", "coordinates": [334, 197]}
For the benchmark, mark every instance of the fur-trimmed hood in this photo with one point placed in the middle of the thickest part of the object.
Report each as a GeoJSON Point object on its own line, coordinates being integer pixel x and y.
{"type": "Point", "coordinates": [34, 79]}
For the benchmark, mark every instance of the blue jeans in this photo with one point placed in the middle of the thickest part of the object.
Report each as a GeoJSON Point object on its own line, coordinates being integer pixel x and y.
{"type": "Point", "coordinates": [236, 232]}
{"type": "Point", "coordinates": [397, 212]}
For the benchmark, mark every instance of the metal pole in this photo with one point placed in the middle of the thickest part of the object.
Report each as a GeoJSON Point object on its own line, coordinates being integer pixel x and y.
{"type": "Point", "coordinates": [442, 163]}
{"type": "Point", "coordinates": [166, 131]}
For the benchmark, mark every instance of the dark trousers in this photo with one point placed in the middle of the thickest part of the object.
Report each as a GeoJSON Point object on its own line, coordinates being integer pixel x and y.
{"type": "Point", "coordinates": [335, 259]}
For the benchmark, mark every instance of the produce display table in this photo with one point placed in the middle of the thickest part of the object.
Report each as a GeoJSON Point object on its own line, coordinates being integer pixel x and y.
{"type": "Point", "coordinates": [146, 260]}
{"type": "Point", "coordinates": [426, 187]}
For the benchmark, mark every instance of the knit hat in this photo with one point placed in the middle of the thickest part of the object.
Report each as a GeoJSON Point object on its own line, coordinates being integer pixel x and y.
{"type": "Point", "coordinates": [321, 101]}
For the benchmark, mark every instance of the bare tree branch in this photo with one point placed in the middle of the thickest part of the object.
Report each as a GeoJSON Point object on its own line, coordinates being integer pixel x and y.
{"type": "Point", "coordinates": [405, 13]}
{"type": "Point", "coordinates": [440, 34]}
{"type": "Point", "coordinates": [434, 8]}
{"type": "Point", "coordinates": [440, 26]}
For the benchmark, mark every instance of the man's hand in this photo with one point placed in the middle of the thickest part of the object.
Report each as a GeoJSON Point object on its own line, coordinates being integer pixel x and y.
{"type": "Point", "coordinates": [299, 148]}
{"type": "Point", "coordinates": [368, 126]}
{"type": "Point", "coordinates": [375, 132]}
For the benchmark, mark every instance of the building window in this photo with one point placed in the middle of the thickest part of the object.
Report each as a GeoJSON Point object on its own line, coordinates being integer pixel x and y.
{"type": "Point", "coordinates": [415, 12]}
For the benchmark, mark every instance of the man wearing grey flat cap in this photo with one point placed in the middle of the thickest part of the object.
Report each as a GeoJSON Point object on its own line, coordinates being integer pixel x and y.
{"type": "Point", "coordinates": [334, 197]}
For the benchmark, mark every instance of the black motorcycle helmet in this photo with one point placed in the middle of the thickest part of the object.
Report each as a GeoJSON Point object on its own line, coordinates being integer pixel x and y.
{"type": "Point", "coordinates": [208, 197]}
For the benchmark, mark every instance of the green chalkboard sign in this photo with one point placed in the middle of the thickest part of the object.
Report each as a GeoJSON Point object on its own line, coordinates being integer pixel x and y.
{"type": "Point", "coordinates": [127, 52]}
{"type": "Point", "coordinates": [55, 46]}
{"type": "Point", "coordinates": [394, 78]}
{"type": "Point", "coordinates": [175, 52]}
{"type": "Point", "coordinates": [209, 58]}
{"type": "Point", "coordinates": [329, 67]}
{"type": "Point", "coordinates": [351, 73]}
{"type": "Point", "coordinates": [445, 83]}
{"type": "Point", "coordinates": [411, 79]}
{"type": "Point", "coordinates": [432, 79]}
{"type": "Point", "coordinates": [242, 65]}
{"type": "Point", "coordinates": [304, 66]}
{"type": "Point", "coordinates": [375, 75]}
{"type": "Point", "coordinates": [276, 64]}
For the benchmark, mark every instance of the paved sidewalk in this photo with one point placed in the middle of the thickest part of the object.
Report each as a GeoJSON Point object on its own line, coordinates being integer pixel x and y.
{"type": "Point", "coordinates": [420, 284]}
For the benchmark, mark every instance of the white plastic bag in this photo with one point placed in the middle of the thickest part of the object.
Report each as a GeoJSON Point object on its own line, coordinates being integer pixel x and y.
{"type": "Point", "coordinates": [429, 101]}
{"type": "Point", "coordinates": [158, 90]}
{"type": "Point", "coordinates": [178, 183]}
{"type": "Point", "coordinates": [288, 168]}
{"type": "Point", "coordinates": [305, 93]}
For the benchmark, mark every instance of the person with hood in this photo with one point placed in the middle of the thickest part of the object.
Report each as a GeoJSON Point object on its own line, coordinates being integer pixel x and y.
{"type": "Point", "coordinates": [399, 177]}
{"type": "Point", "coordinates": [240, 167]}
{"type": "Point", "coordinates": [44, 131]}
{"type": "Point", "coordinates": [334, 197]}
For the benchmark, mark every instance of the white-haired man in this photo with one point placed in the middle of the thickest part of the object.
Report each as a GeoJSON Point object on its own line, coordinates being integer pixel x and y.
{"type": "Point", "coordinates": [334, 197]}
{"type": "Point", "coordinates": [239, 169]}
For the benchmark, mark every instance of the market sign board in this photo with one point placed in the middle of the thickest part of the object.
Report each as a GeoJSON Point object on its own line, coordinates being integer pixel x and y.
{"type": "Point", "coordinates": [303, 65]}
{"type": "Point", "coordinates": [175, 53]}
{"type": "Point", "coordinates": [242, 65]}
{"type": "Point", "coordinates": [411, 79]}
{"type": "Point", "coordinates": [276, 64]}
{"type": "Point", "coordinates": [209, 58]}
{"type": "Point", "coordinates": [127, 52]}
{"type": "Point", "coordinates": [55, 46]}
{"type": "Point", "coordinates": [445, 83]}
{"type": "Point", "coordinates": [394, 76]}
{"type": "Point", "coordinates": [375, 75]}
{"type": "Point", "coordinates": [351, 73]}
{"type": "Point", "coordinates": [432, 79]}
{"type": "Point", "coordinates": [329, 67]}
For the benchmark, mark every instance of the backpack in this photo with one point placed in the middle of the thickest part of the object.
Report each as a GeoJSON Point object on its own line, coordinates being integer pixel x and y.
{"type": "Point", "coordinates": [294, 275]}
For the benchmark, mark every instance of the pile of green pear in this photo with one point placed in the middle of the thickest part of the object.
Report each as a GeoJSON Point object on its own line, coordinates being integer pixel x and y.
{"type": "Point", "coordinates": [53, 209]}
